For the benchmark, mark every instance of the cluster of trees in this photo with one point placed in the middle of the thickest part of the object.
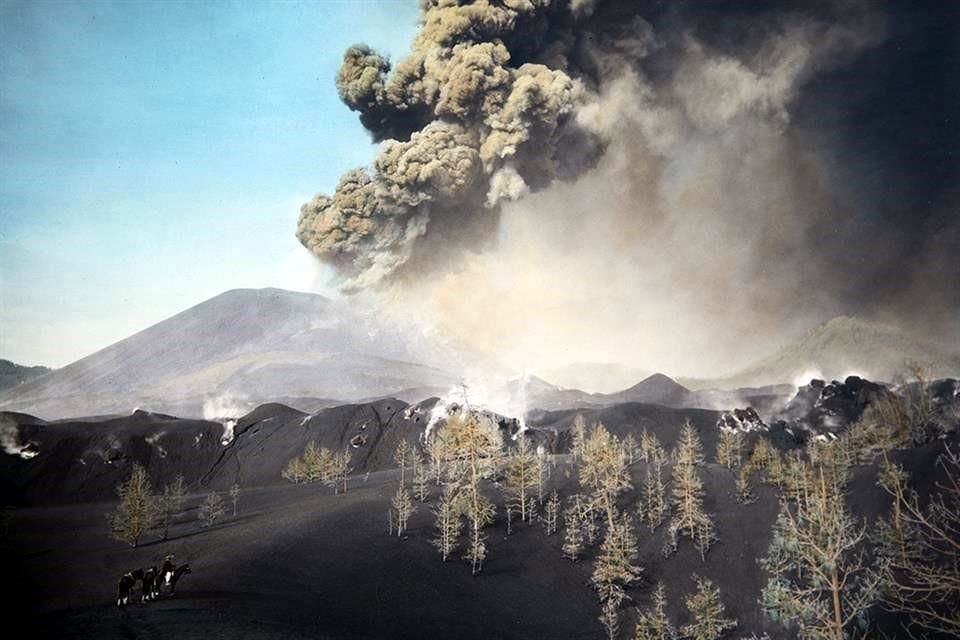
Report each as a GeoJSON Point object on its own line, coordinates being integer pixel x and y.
{"type": "Point", "coordinates": [141, 509]}
{"type": "Point", "coordinates": [708, 619]}
{"type": "Point", "coordinates": [319, 464]}
{"type": "Point", "coordinates": [827, 569]}
{"type": "Point", "coordinates": [466, 456]}
{"type": "Point", "coordinates": [604, 463]}
{"type": "Point", "coordinates": [464, 459]}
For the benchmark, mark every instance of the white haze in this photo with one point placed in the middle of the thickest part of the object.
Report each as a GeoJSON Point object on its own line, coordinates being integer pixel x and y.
{"type": "Point", "coordinates": [681, 251]}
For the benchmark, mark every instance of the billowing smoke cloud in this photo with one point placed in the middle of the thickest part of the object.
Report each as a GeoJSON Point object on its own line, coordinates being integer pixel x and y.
{"type": "Point", "coordinates": [609, 181]}
{"type": "Point", "coordinates": [466, 125]}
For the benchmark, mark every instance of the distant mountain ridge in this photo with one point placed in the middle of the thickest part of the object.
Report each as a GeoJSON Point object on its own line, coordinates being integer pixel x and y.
{"type": "Point", "coordinates": [231, 352]}
{"type": "Point", "coordinates": [13, 374]}
{"type": "Point", "coordinates": [656, 389]}
{"type": "Point", "coordinates": [838, 348]}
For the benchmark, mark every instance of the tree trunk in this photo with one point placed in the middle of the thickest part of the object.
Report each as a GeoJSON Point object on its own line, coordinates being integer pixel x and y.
{"type": "Point", "coordinates": [837, 613]}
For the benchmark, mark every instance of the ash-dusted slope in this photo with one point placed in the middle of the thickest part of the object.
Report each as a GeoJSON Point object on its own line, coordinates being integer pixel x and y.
{"type": "Point", "coordinates": [242, 347]}
{"type": "Point", "coordinates": [301, 563]}
{"type": "Point", "coordinates": [13, 374]}
{"type": "Point", "coordinates": [72, 461]}
{"type": "Point", "coordinates": [841, 347]}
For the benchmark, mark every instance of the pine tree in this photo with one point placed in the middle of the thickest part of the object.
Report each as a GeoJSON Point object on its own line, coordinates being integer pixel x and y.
{"type": "Point", "coordinates": [920, 577]}
{"type": "Point", "coordinates": [138, 511]}
{"type": "Point", "coordinates": [816, 561]}
{"type": "Point", "coordinates": [610, 618]}
{"type": "Point", "coordinates": [651, 451]}
{"type": "Point", "coordinates": [317, 463]}
{"type": "Point", "coordinates": [631, 448]}
{"type": "Point", "coordinates": [654, 624]}
{"type": "Point", "coordinates": [337, 470]}
{"type": "Point", "coordinates": [578, 432]}
{"type": "Point", "coordinates": [171, 503]}
{"type": "Point", "coordinates": [211, 510]}
{"type": "Point", "coordinates": [897, 540]}
{"type": "Point", "coordinates": [520, 475]}
{"type": "Point", "coordinates": [541, 472]}
{"type": "Point", "coordinates": [614, 568]}
{"type": "Point", "coordinates": [654, 505]}
{"type": "Point", "coordinates": [448, 523]}
{"type": "Point", "coordinates": [744, 496]}
{"type": "Point", "coordinates": [614, 571]}
{"type": "Point", "coordinates": [421, 478]}
{"type": "Point", "coordinates": [707, 611]}
{"type": "Point", "coordinates": [834, 458]}
{"type": "Point", "coordinates": [402, 457]}
{"type": "Point", "coordinates": [551, 514]}
{"type": "Point", "coordinates": [689, 516]}
{"type": "Point", "coordinates": [235, 497]}
{"type": "Point", "coordinates": [760, 455]}
{"type": "Point", "coordinates": [797, 477]}
{"type": "Point", "coordinates": [729, 448]}
{"type": "Point", "coordinates": [603, 470]}
{"type": "Point", "coordinates": [472, 445]}
{"type": "Point", "coordinates": [403, 508]}
{"type": "Point", "coordinates": [572, 535]}
{"type": "Point", "coordinates": [295, 471]}
{"type": "Point", "coordinates": [689, 448]}
{"type": "Point", "coordinates": [435, 455]}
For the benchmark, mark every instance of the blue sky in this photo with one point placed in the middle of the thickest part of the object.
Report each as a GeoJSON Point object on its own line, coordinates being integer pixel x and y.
{"type": "Point", "coordinates": [154, 154]}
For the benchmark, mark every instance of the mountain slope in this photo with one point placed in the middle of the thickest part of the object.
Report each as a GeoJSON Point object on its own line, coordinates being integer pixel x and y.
{"type": "Point", "coordinates": [240, 348]}
{"type": "Point", "coordinates": [838, 348]}
{"type": "Point", "coordinates": [655, 389]}
{"type": "Point", "coordinates": [13, 374]}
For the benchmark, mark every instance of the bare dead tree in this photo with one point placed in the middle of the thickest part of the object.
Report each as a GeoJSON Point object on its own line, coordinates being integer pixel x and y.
{"type": "Point", "coordinates": [707, 611]}
{"type": "Point", "coordinates": [138, 510]}
{"type": "Point", "coordinates": [922, 578]}
{"type": "Point", "coordinates": [520, 475]}
{"type": "Point", "coordinates": [447, 518]}
{"type": "Point", "coordinates": [551, 514]}
{"type": "Point", "coordinates": [403, 508]}
{"type": "Point", "coordinates": [653, 624]}
{"type": "Point", "coordinates": [817, 562]}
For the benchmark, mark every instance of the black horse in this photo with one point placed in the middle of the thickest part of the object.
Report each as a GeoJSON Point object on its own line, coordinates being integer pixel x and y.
{"type": "Point", "coordinates": [125, 586]}
{"type": "Point", "coordinates": [151, 584]}
{"type": "Point", "coordinates": [178, 573]}
{"type": "Point", "coordinates": [166, 571]}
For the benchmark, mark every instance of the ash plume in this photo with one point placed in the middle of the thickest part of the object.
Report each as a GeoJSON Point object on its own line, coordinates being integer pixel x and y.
{"type": "Point", "coordinates": [466, 124]}
{"type": "Point", "coordinates": [692, 173]}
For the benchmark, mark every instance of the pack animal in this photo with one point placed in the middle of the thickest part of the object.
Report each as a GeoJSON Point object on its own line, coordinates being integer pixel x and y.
{"type": "Point", "coordinates": [125, 586]}
{"type": "Point", "coordinates": [178, 573]}
{"type": "Point", "coordinates": [151, 584]}
{"type": "Point", "coordinates": [166, 571]}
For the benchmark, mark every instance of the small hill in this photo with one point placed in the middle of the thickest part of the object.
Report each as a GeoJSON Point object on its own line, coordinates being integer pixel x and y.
{"type": "Point", "coordinates": [595, 377]}
{"type": "Point", "coordinates": [655, 389]}
{"type": "Point", "coordinates": [838, 348]}
{"type": "Point", "coordinates": [13, 374]}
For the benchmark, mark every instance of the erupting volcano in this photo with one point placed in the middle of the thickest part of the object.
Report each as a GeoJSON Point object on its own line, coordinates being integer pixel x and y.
{"type": "Point", "coordinates": [608, 319]}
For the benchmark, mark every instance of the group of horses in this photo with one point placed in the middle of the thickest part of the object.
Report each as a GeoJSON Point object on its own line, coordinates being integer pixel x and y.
{"type": "Point", "coordinates": [151, 581]}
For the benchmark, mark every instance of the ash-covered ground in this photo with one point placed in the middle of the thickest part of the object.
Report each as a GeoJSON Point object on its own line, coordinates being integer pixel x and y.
{"type": "Point", "coordinates": [300, 562]}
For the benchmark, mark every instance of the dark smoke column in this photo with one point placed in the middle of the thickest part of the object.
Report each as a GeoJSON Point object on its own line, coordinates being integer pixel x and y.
{"type": "Point", "coordinates": [472, 117]}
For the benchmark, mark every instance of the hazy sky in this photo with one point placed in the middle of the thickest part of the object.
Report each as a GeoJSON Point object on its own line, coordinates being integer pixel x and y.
{"type": "Point", "coordinates": [153, 154]}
